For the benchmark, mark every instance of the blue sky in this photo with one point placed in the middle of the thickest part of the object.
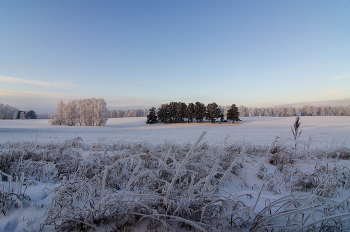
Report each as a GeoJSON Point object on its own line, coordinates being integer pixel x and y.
{"type": "Point", "coordinates": [144, 53]}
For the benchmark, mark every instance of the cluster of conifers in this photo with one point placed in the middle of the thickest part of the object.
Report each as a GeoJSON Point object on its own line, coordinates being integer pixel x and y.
{"type": "Point", "coordinates": [179, 112]}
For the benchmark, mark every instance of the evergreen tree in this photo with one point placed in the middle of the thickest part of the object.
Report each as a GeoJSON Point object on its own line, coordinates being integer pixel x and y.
{"type": "Point", "coordinates": [30, 114]}
{"type": "Point", "coordinates": [199, 109]}
{"type": "Point", "coordinates": [233, 114]}
{"type": "Point", "coordinates": [181, 112]}
{"type": "Point", "coordinates": [190, 114]}
{"type": "Point", "coordinates": [151, 116]}
{"type": "Point", "coordinates": [213, 112]}
{"type": "Point", "coordinates": [163, 113]}
{"type": "Point", "coordinates": [172, 111]}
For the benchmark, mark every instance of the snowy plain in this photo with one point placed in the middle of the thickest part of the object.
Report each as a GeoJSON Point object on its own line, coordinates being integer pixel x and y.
{"type": "Point", "coordinates": [325, 133]}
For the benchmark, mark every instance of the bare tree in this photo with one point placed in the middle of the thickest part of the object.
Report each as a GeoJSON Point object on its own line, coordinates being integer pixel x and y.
{"type": "Point", "coordinates": [83, 112]}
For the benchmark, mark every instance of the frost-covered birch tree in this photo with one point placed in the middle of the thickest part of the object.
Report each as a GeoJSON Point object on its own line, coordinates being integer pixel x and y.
{"type": "Point", "coordinates": [58, 117]}
{"type": "Point", "coordinates": [83, 112]}
{"type": "Point", "coordinates": [71, 113]}
{"type": "Point", "coordinates": [7, 112]}
{"type": "Point", "coordinates": [100, 112]}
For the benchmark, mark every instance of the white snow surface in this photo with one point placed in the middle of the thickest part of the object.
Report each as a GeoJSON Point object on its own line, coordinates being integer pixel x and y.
{"type": "Point", "coordinates": [323, 130]}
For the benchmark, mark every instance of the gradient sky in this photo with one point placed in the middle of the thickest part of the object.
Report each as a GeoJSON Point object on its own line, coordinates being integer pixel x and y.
{"type": "Point", "coordinates": [144, 53]}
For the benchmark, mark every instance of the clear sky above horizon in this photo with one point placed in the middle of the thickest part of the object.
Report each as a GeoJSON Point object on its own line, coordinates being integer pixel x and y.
{"type": "Point", "coordinates": [144, 53]}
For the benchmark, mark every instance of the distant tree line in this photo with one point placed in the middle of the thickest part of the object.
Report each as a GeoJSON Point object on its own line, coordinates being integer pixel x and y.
{"type": "Point", "coordinates": [83, 112]}
{"type": "Point", "coordinates": [127, 113]}
{"type": "Point", "coordinates": [287, 111]}
{"type": "Point", "coordinates": [10, 112]}
{"type": "Point", "coordinates": [43, 116]}
{"type": "Point", "coordinates": [26, 114]}
{"type": "Point", "coordinates": [179, 112]}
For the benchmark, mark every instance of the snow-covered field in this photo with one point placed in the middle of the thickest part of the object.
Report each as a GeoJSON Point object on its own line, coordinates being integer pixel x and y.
{"type": "Point", "coordinates": [324, 131]}
{"type": "Point", "coordinates": [129, 174]}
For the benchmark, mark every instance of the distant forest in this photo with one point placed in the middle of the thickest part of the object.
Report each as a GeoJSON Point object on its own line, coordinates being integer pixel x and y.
{"type": "Point", "coordinates": [276, 111]}
{"type": "Point", "coordinates": [127, 113]}
{"type": "Point", "coordinates": [9, 112]}
{"type": "Point", "coordinates": [287, 111]}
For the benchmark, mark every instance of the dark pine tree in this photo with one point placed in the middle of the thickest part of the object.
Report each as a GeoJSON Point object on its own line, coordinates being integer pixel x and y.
{"type": "Point", "coordinates": [199, 109]}
{"type": "Point", "coordinates": [151, 116]}
{"type": "Point", "coordinates": [30, 114]}
{"type": "Point", "coordinates": [181, 111]}
{"type": "Point", "coordinates": [213, 112]}
{"type": "Point", "coordinates": [172, 111]}
{"type": "Point", "coordinates": [163, 113]}
{"type": "Point", "coordinates": [190, 114]}
{"type": "Point", "coordinates": [233, 114]}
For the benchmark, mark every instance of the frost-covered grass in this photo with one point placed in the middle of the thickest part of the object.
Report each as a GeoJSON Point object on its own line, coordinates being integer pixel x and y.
{"type": "Point", "coordinates": [134, 185]}
{"type": "Point", "coordinates": [229, 180]}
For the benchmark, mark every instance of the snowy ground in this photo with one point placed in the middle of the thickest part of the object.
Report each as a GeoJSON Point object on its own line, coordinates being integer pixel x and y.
{"type": "Point", "coordinates": [327, 134]}
{"type": "Point", "coordinates": [324, 131]}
